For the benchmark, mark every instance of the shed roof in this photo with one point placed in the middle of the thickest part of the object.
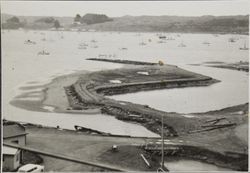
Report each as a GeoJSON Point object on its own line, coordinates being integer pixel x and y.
{"type": "Point", "coordinates": [13, 130]}
{"type": "Point", "coordinates": [9, 150]}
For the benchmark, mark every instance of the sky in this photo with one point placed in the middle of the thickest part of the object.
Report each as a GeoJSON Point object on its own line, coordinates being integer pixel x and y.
{"type": "Point", "coordinates": [121, 8]}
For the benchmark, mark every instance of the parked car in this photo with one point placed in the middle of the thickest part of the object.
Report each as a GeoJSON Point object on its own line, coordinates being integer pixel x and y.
{"type": "Point", "coordinates": [31, 168]}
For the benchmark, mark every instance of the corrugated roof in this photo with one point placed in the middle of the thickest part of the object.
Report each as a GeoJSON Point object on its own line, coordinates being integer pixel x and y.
{"type": "Point", "coordinates": [9, 150]}
{"type": "Point", "coordinates": [13, 130]}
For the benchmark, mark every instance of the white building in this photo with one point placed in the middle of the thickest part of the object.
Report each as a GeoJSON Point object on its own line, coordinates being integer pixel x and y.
{"type": "Point", "coordinates": [11, 158]}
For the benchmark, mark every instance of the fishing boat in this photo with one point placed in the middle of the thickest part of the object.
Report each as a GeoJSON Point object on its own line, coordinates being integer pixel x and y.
{"type": "Point", "coordinates": [245, 47]}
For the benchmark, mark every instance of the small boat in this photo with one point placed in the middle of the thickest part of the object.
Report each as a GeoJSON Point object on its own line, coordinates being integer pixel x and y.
{"type": "Point", "coordinates": [142, 44]}
{"type": "Point", "coordinates": [206, 43]}
{"type": "Point", "coordinates": [162, 37]}
{"type": "Point", "coordinates": [161, 41]}
{"type": "Point", "coordinates": [182, 45]}
{"type": "Point", "coordinates": [82, 47]}
{"type": "Point", "coordinates": [123, 48]}
{"type": "Point", "coordinates": [232, 40]}
{"type": "Point", "coordinates": [93, 41]}
{"type": "Point", "coordinates": [245, 47]}
{"type": "Point", "coordinates": [43, 52]}
{"type": "Point", "coordinates": [83, 44]}
{"type": "Point", "coordinates": [29, 42]}
{"type": "Point", "coordinates": [170, 38]}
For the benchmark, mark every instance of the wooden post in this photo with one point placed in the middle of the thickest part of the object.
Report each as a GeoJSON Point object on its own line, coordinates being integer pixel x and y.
{"type": "Point", "coordinates": [162, 137]}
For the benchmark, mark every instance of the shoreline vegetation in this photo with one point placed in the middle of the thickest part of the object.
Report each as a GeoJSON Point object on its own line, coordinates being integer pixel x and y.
{"type": "Point", "coordinates": [218, 137]}
{"type": "Point", "coordinates": [95, 22]}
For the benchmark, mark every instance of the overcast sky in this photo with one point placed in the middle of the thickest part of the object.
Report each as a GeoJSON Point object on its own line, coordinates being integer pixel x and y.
{"type": "Point", "coordinates": [121, 8]}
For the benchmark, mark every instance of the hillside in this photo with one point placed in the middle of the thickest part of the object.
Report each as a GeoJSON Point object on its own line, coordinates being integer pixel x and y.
{"type": "Point", "coordinates": [203, 24]}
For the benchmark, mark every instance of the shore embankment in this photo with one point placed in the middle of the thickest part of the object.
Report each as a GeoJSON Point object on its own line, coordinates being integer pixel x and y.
{"type": "Point", "coordinates": [90, 90]}
{"type": "Point", "coordinates": [97, 148]}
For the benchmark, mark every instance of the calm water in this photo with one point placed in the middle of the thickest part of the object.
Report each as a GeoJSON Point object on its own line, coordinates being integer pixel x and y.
{"type": "Point", "coordinates": [191, 165]}
{"type": "Point", "coordinates": [23, 67]}
{"type": "Point", "coordinates": [232, 90]}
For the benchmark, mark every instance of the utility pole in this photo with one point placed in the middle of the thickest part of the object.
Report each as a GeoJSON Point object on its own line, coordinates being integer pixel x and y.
{"type": "Point", "coordinates": [162, 143]}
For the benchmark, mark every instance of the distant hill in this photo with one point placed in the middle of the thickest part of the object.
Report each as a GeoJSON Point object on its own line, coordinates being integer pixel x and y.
{"type": "Point", "coordinates": [210, 24]}
{"type": "Point", "coordinates": [202, 24]}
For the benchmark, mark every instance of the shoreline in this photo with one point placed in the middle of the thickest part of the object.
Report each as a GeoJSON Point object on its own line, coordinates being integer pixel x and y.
{"type": "Point", "coordinates": [56, 89]}
{"type": "Point", "coordinates": [116, 31]}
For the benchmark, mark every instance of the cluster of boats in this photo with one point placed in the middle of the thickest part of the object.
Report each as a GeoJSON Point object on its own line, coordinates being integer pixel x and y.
{"type": "Point", "coordinates": [107, 56]}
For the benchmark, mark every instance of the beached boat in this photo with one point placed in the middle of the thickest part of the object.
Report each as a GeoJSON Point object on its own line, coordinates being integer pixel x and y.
{"type": "Point", "coordinates": [90, 131]}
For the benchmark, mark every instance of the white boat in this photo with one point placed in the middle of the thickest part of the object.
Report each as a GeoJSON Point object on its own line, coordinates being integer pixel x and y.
{"type": "Point", "coordinates": [182, 45]}
{"type": "Point", "coordinates": [161, 41]}
{"type": "Point", "coordinates": [207, 43]}
{"type": "Point", "coordinates": [142, 44]}
{"type": "Point", "coordinates": [43, 52]}
{"type": "Point", "coordinates": [29, 42]}
{"type": "Point", "coordinates": [245, 47]}
{"type": "Point", "coordinates": [82, 47]}
{"type": "Point", "coordinates": [93, 41]}
{"type": "Point", "coordinates": [123, 48]}
{"type": "Point", "coordinates": [170, 38]}
{"type": "Point", "coordinates": [83, 44]}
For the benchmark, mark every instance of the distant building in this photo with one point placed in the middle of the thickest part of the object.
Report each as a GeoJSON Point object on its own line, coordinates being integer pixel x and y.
{"type": "Point", "coordinates": [14, 134]}
{"type": "Point", "coordinates": [11, 158]}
